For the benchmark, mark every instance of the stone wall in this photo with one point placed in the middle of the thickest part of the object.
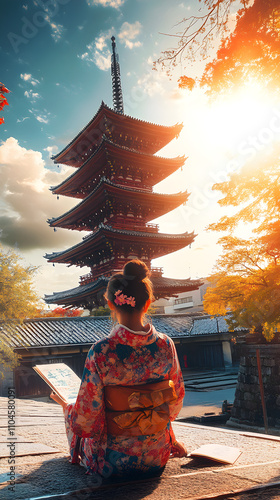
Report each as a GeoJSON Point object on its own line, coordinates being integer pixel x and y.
{"type": "Point", "coordinates": [7, 381]}
{"type": "Point", "coordinates": [247, 407]}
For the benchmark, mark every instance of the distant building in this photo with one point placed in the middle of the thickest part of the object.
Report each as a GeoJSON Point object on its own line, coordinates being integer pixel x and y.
{"type": "Point", "coordinates": [185, 302]}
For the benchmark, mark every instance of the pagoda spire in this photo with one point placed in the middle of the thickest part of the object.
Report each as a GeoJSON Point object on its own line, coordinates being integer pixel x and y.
{"type": "Point", "coordinates": [116, 80]}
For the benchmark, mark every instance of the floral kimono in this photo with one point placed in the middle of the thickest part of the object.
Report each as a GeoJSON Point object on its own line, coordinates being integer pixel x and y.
{"type": "Point", "coordinates": [124, 358]}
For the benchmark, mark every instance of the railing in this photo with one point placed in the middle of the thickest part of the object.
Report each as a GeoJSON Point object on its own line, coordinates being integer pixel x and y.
{"type": "Point", "coordinates": [107, 271]}
{"type": "Point", "coordinates": [153, 228]}
{"type": "Point", "coordinates": [131, 183]}
{"type": "Point", "coordinates": [133, 224]}
{"type": "Point", "coordinates": [87, 278]}
{"type": "Point", "coordinates": [101, 270]}
{"type": "Point", "coordinates": [156, 271]}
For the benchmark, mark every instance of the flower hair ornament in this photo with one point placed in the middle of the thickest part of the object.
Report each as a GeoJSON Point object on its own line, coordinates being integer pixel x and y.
{"type": "Point", "coordinates": [124, 299]}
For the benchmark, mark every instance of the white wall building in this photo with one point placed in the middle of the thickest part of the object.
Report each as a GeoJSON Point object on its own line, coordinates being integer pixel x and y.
{"type": "Point", "coordinates": [186, 301]}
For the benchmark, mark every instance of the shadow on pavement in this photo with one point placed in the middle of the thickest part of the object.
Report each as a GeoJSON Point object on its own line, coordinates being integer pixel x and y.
{"type": "Point", "coordinates": [56, 477]}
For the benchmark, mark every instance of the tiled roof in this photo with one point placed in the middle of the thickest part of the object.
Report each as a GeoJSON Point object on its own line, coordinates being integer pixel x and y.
{"type": "Point", "coordinates": [169, 283]}
{"type": "Point", "coordinates": [57, 331]}
{"type": "Point", "coordinates": [161, 128]}
{"type": "Point", "coordinates": [88, 201]}
{"type": "Point", "coordinates": [159, 283]}
{"type": "Point", "coordinates": [206, 324]}
{"type": "Point", "coordinates": [81, 290]}
{"type": "Point", "coordinates": [182, 238]}
{"type": "Point", "coordinates": [87, 330]}
{"type": "Point", "coordinates": [177, 161]}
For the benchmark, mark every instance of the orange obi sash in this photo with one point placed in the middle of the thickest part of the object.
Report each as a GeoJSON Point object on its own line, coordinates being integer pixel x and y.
{"type": "Point", "coordinates": [138, 410]}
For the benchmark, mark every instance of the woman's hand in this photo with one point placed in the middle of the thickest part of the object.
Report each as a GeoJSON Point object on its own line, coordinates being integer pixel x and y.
{"type": "Point", "coordinates": [58, 400]}
{"type": "Point", "coordinates": [178, 450]}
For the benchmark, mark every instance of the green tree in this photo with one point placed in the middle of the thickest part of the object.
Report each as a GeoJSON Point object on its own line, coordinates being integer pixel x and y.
{"type": "Point", "coordinates": [18, 300]}
{"type": "Point", "coordinates": [101, 311]}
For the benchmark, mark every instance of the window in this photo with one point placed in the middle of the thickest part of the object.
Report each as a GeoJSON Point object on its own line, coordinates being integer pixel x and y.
{"type": "Point", "coordinates": [183, 300]}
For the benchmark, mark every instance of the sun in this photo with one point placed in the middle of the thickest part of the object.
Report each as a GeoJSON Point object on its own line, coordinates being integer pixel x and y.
{"type": "Point", "coordinates": [249, 116]}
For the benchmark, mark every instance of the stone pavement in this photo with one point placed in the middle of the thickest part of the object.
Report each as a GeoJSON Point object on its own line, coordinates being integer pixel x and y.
{"type": "Point", "coordinates": [47, 473]}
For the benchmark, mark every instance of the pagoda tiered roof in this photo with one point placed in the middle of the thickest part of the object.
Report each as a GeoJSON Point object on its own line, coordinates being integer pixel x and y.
{"type": "Point", "coordinates": [108, 198]}
{"type": "Point", "coordinates": [121, 129]}
{"type": "Point", "coordinates": [92, 294]}
{"type": "Point", "coordinates": [103, 242]}
{"type": "Point", "coordinates": [112, 160]}
{"type": "Point", "coordinates": [85, 296]}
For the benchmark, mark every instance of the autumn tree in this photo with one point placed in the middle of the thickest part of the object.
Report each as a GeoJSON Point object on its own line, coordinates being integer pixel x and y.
{"type": "Point", "coordinates": [247, 34]}
{"type": "Point", "coordinates": [247, 278]}
{"type": "Point", "coordinates": [18, 300]}
{"type": "Point", "coordinates": [246, 285]}
{"type": "Point", "coordinates": [247, 281]}
{"type": "Point", "coordinates": [60, 312]}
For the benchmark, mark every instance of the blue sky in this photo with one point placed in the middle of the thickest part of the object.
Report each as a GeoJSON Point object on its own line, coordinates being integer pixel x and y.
{"type": "Point", "coordinates": [55, 59]}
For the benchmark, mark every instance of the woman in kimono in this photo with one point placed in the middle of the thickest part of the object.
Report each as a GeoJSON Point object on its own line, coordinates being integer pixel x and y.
{"type": "Point", "coordinates": [131, 388]}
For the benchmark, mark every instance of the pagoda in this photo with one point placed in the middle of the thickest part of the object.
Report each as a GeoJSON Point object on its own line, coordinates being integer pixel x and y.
{"type": "Point", "coordinates": [115, 169]}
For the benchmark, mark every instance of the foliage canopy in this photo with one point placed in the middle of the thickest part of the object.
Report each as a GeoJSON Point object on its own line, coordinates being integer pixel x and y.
{"type": "Point", "coordinates": [245, 39]}
{"type": "Point", "coordinates": [248, 38]}
{"type": "Point", "coordinates": [247, 281]}
{"type": "Point", "coordinates": [18, 300]}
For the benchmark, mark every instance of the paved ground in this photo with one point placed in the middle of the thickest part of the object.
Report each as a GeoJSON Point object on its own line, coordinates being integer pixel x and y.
{"type": "Point", "coordinates": [199, 399]}
{"type": "Point", "coordinates": [48, 472]}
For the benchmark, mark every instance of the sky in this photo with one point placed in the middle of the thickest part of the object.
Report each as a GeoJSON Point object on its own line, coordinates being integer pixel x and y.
{"type": "Point", "coordinates": [55, 59]}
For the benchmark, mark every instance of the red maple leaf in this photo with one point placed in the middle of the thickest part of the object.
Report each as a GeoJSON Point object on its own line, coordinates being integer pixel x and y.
{"type": "Point", "coordinates": [3, 100]}
{"type": "Point", "coordinates": [3, 88]}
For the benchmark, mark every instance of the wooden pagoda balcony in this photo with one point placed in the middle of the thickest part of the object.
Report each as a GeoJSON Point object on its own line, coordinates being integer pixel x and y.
{"type": "Point", "coordinates": [105, 270]}
{"type": "Point", "coordinates": [90, 278]}
{"type": "Point", "coordinates": [135, 184]}
{"type": "Point", "coordinates": [156, 271]}
{"type": "Point", "coordinates": [101, 270]}
{"type": "Point", "coordinates": [126, 222]}
{"type": "Point", "coordinates": [148, 228]}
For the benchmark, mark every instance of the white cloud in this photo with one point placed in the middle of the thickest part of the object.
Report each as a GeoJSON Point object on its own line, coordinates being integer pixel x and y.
{"type": "Point", "coordinates": [42, 118]}
{"type": "Point", "coordinates": [27, 201]}
{"type": "Point", "coordinates": [98, 52]}
{"type": "Point", "coordinates": [51, 150]}
{"type": "Point", "coordinates": [128, 33]}
{"type": "Point", "coordinates": [131, 45]}
{"type": "Point", "coordinates": [152, 82]}
{"type": "Point", "coordinates": [32, 95]}
{"type": "Point", "coordinates": [57, 30]}
{"type": "Point", "coordinates": [100, 41]}
{"type": "Point", "coordinates": [27, 77]}
{"type": "Point", "coordinates": [23, 119]}
{"type": "Point", "coordinates": [107, 3]}
{"type": "Point", "coordinates": [103, 62]}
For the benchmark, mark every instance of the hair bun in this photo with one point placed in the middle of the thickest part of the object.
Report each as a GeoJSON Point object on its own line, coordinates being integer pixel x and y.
{"type": "Point", "coordinates": [136, 269]}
